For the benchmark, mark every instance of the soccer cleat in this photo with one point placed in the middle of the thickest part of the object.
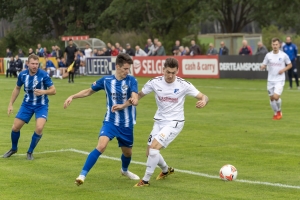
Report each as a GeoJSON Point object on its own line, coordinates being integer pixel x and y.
{"type": "Point", "coordinates": [79, 180]}
{"type": "Point", "coordinates": [130, 175]}
{"type": "Point", "coordinates": [29, 156]}
{"type": "Point", "coordinates": [9, 153]}
{"type": "Point", "coordinates": [142, 183]}
{"type": "Point", "coordinates": [279, 115]}
{"type": "Point", "coordinates": [164, 175]}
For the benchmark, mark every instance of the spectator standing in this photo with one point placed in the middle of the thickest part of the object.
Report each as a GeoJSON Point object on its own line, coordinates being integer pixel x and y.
{"type": "Point", "coordinates": [175, 48]}
{"type": "Point", "coordinates": [246, 49]}
{"type": "Point", "coordinates": [223, 51]}
{"type": "Point", "coordinates": [88, 51]}
{"type": "Point", "coordinates": [129, 50]}
{"type": "Point", "coordinates": [122, 50]}
{"type": "Point", "coordinates": [8, 53]}
{"type": "Point", "coordinates": [40, 51]}
{"type": "Point", "coordinates": [211, 50]}
{"type": "Point", "coordinates": [12, 68]}
{"type": "Point", "coordinates": [100, 52]}
{"type": "Point", "coordinates": [21, 54]}
{"type": "Point", "coordinates": [182, 51]}
{"type": "Point", "coordinates": [26, 65]}
{"type": "Point", "coordinates": [153, 47]}
{"type": "Point", "coordinates": [53, 52]}
{"type": "Point", "coordinates": [59, 53]}
{"type": "Point", "coordinates": [82, 63]}
{"type": "Point", "coordinates": [194, 49]}
{"type": "Point", "coordinates": [106, 52]}
{"type": "Point", "coordinates": [160, 50]}
{"type": "Point", "coordinates": [261, 49]}
{"type": "Point", "coordinates": [30, 51]}
{"type": "Point", "coordinates": [18, 64]}
{"type": "Point", "coordinates": [114, 51]}
{"type": "Point", "coordinates": [95, 52]}
{"type": "Point", "coordinates": [117, 45]}
{"type": "Point", "coordinates": [187, 51]}
{"type": "Point", "coordinates": [148, 46]}
{"type": "Point", "coordinates": [139, 51]}
{"type": "Point", "coordinates": [109, 48]}
{"type": "Point", "coordinates": [70, 51]}
{"type": "Point", "coordinates": [291, 50]}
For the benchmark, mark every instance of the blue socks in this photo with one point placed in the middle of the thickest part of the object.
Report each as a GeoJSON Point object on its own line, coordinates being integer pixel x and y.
{"type": "Point", "coordinates": [14, 140]}
{"type": "Point", "coordinates": [90, 161]}
{"type": "Point", "coordinates": [34, 141]}
{"type": "Point", "coordinates": [125, 162]}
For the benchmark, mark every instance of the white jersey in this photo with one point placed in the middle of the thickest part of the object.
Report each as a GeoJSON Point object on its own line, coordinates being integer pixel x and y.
{"type": "Point", "coordinates": [88, 52]}
{"type": "Point", "coordinates": [170, 97]}
{"type": "Point", "coordinates": [275, 63]}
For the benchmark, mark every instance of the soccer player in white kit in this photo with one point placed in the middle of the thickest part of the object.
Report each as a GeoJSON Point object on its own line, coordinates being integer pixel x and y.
{"type": "Point", "coordinates": [170, 92]}
{"type": "Point", "coordinates": [278, 62]}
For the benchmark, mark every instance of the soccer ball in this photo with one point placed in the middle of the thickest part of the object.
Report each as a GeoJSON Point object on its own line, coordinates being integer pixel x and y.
{"type": "Point", "coordinates": [228, 173]}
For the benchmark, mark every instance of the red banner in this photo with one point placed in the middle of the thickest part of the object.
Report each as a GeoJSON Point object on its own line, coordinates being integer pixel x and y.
{"type": "Point", "coordinates": [189, 66]}
{"type": "Point", "coordinates": [1, 66]}
{"type": "Point", "coordinates": [80, 37]}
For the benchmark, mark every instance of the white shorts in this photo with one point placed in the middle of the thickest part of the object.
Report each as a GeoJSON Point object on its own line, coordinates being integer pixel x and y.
{"type": "Point", "coordinates": [165, 132]}
{"type": "Point", "coordinates": [275, 87]}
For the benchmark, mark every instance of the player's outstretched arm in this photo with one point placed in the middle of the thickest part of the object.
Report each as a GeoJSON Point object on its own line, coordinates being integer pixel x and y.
{"type": "Point", "coordinates": [202, 100]}
{"type": "Point", "coordinates": [81, 94]}
{"type": "Point", "coordinates": [141, 95]}
{"type": "Point", "coordinates": [134, 100]}
{"type": "Point", "coordinates": [13, 98]}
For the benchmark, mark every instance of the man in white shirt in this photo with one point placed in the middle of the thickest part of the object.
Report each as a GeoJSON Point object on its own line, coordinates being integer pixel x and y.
{"type": "Point", "coordinates": [277, 62]}
{"type": "Point", "coordinates": [139, 51]}
{"type": "Point", "coordinates": [88, 51]}
{"type": "Point", "coordinates": [170, 92]}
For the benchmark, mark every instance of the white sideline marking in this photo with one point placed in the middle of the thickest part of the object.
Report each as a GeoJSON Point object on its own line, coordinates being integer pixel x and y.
{"type": "Point", "coordinates": [177, 170]}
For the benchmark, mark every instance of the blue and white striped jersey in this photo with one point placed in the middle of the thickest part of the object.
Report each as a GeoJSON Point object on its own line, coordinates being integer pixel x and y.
{"type": "Point", "coordinates": [40, 80]}
{"type": "Point", "coordinates": [118, 92]}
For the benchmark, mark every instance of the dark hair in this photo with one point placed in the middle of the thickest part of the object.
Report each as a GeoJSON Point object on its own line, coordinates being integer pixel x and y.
{"type": "Point", "coordinates": [123, 58]}
{"type": "Point", "coordinates": [171, 62]}
{"type": "Point", "coordinates": [275, 39]}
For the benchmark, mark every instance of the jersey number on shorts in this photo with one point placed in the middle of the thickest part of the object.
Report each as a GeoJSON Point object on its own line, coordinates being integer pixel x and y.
{"type": "Point", "coordinates": [150, 138]}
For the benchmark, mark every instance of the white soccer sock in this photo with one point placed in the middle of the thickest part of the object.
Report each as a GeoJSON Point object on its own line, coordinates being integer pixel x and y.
{"type": "Point", "coordinates": [162, 164]}
{"type": "Point", "coordinates": [152, 161]}
{"type": "Point", "coordinates": [274, 106]}
{"type": "Point", "coordinates": [278, 103]}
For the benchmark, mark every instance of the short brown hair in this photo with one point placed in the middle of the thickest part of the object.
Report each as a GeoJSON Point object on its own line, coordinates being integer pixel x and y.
{"type": "Point", "coordinates": [34, 57]}
{"type": "Point", "coordinates": [275, 39]}
{"type": "Point", "coordinates": [123, 58]}
{"type": "Point", "coordinates": [171, 62]}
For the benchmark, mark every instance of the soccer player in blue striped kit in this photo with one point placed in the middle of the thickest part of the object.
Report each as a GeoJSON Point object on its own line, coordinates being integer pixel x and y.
{"type": "Point", "coordinates": [37, 87]}
{"type": "Point", "coordinates": [122, 97]}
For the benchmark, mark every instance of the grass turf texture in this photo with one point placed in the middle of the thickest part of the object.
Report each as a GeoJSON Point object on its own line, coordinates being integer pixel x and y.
{"type": "Point", "coordinates": [235, 128]}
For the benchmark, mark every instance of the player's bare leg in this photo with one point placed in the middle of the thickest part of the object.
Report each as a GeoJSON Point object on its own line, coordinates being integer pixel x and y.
{"type": "Point", "coordinates": [15, 135]}
{"type": "Point", "coordinates": [126, 158]}
{"type": "Point", "coordinates": [92, 159]}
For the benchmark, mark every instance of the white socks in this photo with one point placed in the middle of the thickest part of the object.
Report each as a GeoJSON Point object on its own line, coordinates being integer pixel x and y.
{"type": "Point", "coordinates": [152, 161]}
{"type": "Point", "coordinates": [278, 102]}
{"type": "Point", "coordinates": [274, 106]}
{"type": "Point", "coordinates": [162, 164]}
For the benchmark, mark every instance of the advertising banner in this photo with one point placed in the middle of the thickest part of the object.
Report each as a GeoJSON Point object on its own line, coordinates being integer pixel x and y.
{"type": "Point", "coordinates": [242, 67]}
{"type": "Point", "coordinates": [101, 65]}
{"type": "Point", "coordinates": [189, 66]}
{"type": "Point", "coordinates": [1, 66]}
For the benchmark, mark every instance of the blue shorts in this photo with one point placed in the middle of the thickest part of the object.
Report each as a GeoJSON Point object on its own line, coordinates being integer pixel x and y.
{"type": "Point", "coordinates": [25, 112]}
{"type": "Point", "coordinates": [124, 135]}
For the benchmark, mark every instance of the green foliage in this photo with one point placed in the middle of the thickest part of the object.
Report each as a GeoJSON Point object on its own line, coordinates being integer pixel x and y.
{"type": "Point", "coordinates": [271, 32]}
{"type": "Point", "coordinates": [235, 129]}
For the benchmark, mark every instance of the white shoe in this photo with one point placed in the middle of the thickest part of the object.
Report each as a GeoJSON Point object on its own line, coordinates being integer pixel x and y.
{"type": "Point", "coordinates": [79, 180]}
{"type": "Point", "coordinates": [130, 175]}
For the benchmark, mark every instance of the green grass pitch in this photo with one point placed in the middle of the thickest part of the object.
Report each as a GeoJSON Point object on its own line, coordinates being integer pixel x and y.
{"type": "Point", "coordinates": [235, 128]}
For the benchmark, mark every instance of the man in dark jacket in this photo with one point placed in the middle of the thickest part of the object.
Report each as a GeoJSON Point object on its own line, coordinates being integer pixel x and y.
{"type": "Point", "coordinates": [12, 68]}
{"type": "Point", "coordinates": [261, 49]}
{"type": "Point", "coordinates": [129, 50]}
{"type": "Point", "coordinates": [194, 49]}
{"type": "Point", "coordinates": [246, 49]}
{"type": "Point", "coordinates": [291, 50]}
{"type": "Point", "coordinates": [223, 51]}
{"type": "Point", "coordinates": [18, 64]}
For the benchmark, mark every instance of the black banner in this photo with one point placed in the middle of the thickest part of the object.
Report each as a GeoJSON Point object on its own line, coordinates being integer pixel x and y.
{"type": "Point", "coordinates": [242, 67]}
